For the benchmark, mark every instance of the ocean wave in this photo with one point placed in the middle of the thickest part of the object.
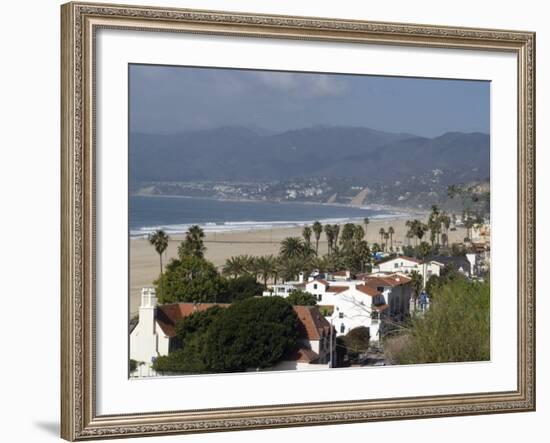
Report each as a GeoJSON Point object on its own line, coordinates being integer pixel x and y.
{"type": "Point", "coordinates": [250, 225]}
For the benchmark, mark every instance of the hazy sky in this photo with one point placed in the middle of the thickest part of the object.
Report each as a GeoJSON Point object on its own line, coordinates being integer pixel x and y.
{"type": "Point", "coordinates": [174, 99]}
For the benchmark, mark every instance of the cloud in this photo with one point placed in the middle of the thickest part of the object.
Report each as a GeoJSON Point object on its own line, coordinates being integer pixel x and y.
{"type": "Point", "coordinates": [305, 85]}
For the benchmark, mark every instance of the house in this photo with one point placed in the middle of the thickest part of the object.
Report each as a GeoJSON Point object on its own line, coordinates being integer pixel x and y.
{"type": "Point", "coordinates": [397, 292]}
{"type": "Point", "coordinates": [154, 335]}
{"type": "Point", "coordinates": [355, 306]}
{"type": "Point", "coordinates": [406, 265]}
{"type": "Point", "coordinates": [463, 264]}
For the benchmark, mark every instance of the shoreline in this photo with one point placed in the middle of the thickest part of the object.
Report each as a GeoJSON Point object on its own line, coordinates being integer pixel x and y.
{"type": "Point", "coordinates": [392, 212]}
{"type": "Point", "coordinates": [144, 261]}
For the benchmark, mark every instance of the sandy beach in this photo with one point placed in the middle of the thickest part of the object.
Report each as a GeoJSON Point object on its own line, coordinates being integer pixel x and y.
{"type": "Point", "coordinates": [144, 261]}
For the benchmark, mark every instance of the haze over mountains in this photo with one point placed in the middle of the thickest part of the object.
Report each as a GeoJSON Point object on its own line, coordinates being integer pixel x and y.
{"type": "Point", "coordinates": [242, 154]}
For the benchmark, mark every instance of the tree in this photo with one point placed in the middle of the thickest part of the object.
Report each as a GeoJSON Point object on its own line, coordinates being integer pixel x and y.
{"type": "Point", "coordinates": [456, 328]}
{"type": "Point", "coordinates": [336, 230]}
{"type": "Point", "coordinates": [239, 265]}
{"type": "Point", "coordinates": [391, 231]}
{"type": "Point", "coordinates": [159, 240]}
{"type": "Point", "coordinates": [292, 247]}
{"type": "Point", "coordinates": [239, 288]}
{"type": "Point", "coordinates": [306, 233]}
{"type": "Point", "coordinates": [301, 298]}
{"type": "Point", "coordinates": [366, 222]}
{"type": "Point", "coordinates": [190, 279]}
{"type": "Point", "coordinates": [329, 233]}
{"type": "Point", "coordinates": [196, 323]}
{"type": "Point", "coordinates": [416, 283]}
{"type": "Point", "coordinates": [357, 342]}
{"type": "Point", "coordinates": [265, 265]}
{"type": "Point", "coordinates": [254, 333]}
{"type": "Point", "coordinates": [193, 245]}
{"type": "Point", "coordinates": [386, 237]}
{"type": "Point", "coordinates": [424, 249]}
{"type": "Point", "coordinates": [317, 231]}
{"type": "Point", "coordinates": [382, 233]}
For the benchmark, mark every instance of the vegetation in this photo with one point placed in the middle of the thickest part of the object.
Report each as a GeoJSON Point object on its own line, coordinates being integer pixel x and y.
{"type": "Point", "coordinates": [356, 342]}
{"type": "Point", "coordinates": [159, 240]}
{"type": "Point", "coordinates": [254, 333]}
{"type": "Point", "coordinates": [301, 298]}
{"type": "Point", "coordinates": [455, 328]}
{"type": "Point", "coordinates": [133, 365]}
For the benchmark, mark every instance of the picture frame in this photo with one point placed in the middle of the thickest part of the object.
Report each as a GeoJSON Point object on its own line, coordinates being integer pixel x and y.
{"type": "Point", "coordinates": [80, 177]}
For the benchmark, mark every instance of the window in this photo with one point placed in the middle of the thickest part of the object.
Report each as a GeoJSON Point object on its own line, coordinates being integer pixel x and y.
{"type": "Point", "coordinates": [342, 328]}
{"type": "Point", "coordinates": [396, 265]}
{"type": "Point", "coordinates": [341, 315]}
{"type": "Point", "coordinates": [380, 288]}
{"type": "Point", "coordinates": [314, 285]}
{"type": "Point", "coordinates": [320, 297]}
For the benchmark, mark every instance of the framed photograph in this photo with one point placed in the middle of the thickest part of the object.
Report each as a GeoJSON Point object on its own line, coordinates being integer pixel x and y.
{"type": "Point", "coordinates": [277, 221]}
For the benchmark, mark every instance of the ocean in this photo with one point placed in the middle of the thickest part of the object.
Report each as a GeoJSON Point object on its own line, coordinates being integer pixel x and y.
{"type": "Point", "coordinates": [176, 214]}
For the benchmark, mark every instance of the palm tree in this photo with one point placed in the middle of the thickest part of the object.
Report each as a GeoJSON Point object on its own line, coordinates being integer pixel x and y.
{"type": "Point", "coordinates": [265, 266]}
{"type": "Point", "coordinates": [336, 230]}
{"type": "Point", "coordinates": [416, 284]}
{"type": "Point", "coordinates": [306, 233]}
{"type": "Point", "coordinates": [193, 244]}
{"type": "Point", "coordinates": [292, 247]}
{"type": "Point", "coordinates": [329, 233]}
{"type": "Point", "coordinates": [232, 267]}
{"type": "Point", "coordinates": [386, 237]}
{"type": "Point", "coordinates": [382, 232]}
{"type": "Point", "coordinates": [424, 249]}
{"type": "Point", "coordinates": [391, 231]}
{"type": "Point", "coordinates": [317, 231]}
{"type": "Point", "coordinates": [159, 240]}
{"type": "Point", "coordinates": [366, 221]}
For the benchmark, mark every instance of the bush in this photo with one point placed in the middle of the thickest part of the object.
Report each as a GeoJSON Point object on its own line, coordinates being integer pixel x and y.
{"type": "Point", "coordinates": [456, 328]}
{"type": "Point", "coordinates": [301, 298]}
{"type": "Point", "coordinates": [133, 365]}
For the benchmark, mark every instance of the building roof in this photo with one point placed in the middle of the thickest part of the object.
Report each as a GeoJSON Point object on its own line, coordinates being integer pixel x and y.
{"type": "Point", "coordinates": [337, 289]}
{"type": "Point", "coordinates": [458, 262]}
{"type": "Point", "coordinates": [401, 257]}
{"type": "Point", "coordinates": [318, 280]}
{"type": "Point", "coordinates": [312, 324]}
{"type": "Point", "coordinates": [368, 290]}
{"type": "Point", "coordinates": [392, 280]}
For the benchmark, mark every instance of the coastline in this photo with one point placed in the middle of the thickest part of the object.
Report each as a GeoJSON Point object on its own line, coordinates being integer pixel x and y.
{"type": "Point", "coordinates": [144, 262]}
{"type": "Point", "coordinates": [386, 212]}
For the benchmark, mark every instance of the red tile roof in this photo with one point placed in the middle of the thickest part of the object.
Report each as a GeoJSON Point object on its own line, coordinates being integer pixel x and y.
{"type": "Point", "coordinates": [368, 290]}
{"type": "Point", "coordinates": [337, 289]}
{"type": "Point", "coordinates": [312, 324]}
{"type": "Point", "coordinates": [389, 280]}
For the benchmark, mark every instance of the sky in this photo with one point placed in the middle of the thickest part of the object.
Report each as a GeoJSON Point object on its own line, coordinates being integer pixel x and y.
{"type": "Point", "coordinates": [173, 99]}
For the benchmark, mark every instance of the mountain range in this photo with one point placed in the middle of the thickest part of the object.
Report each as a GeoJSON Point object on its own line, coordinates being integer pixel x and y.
{"type": "Point", "coordinates": [243, 154]}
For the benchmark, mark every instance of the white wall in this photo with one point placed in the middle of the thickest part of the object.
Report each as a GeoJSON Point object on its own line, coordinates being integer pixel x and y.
{"type": "Point", "coordinates": [29, 184]}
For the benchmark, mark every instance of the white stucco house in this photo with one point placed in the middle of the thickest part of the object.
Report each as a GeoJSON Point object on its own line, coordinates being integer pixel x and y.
{"type": "Point", "coordinates": [154, 334]}
{"type": "Point", "coordinates": [406, 265]}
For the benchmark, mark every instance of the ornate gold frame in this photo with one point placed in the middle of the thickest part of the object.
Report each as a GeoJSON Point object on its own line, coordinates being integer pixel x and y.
{"type": "Point", "coordinates": [79, 23]}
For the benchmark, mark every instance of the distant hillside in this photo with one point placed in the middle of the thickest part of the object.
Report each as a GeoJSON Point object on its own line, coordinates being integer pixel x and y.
{"type": "Point", "coordinates": [241, 154]}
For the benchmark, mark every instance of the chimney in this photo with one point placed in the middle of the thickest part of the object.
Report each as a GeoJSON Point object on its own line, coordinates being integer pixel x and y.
{"type": "Point", "coordinates": [147, 309]}
{"type": "Point", "coordinates": [301, 277]}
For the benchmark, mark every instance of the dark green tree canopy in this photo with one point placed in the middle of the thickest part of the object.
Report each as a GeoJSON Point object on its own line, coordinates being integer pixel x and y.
{"type": "Point", "coordinates": [301, 298]}
{"type": "Point", "coordinates": [253, 333]}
